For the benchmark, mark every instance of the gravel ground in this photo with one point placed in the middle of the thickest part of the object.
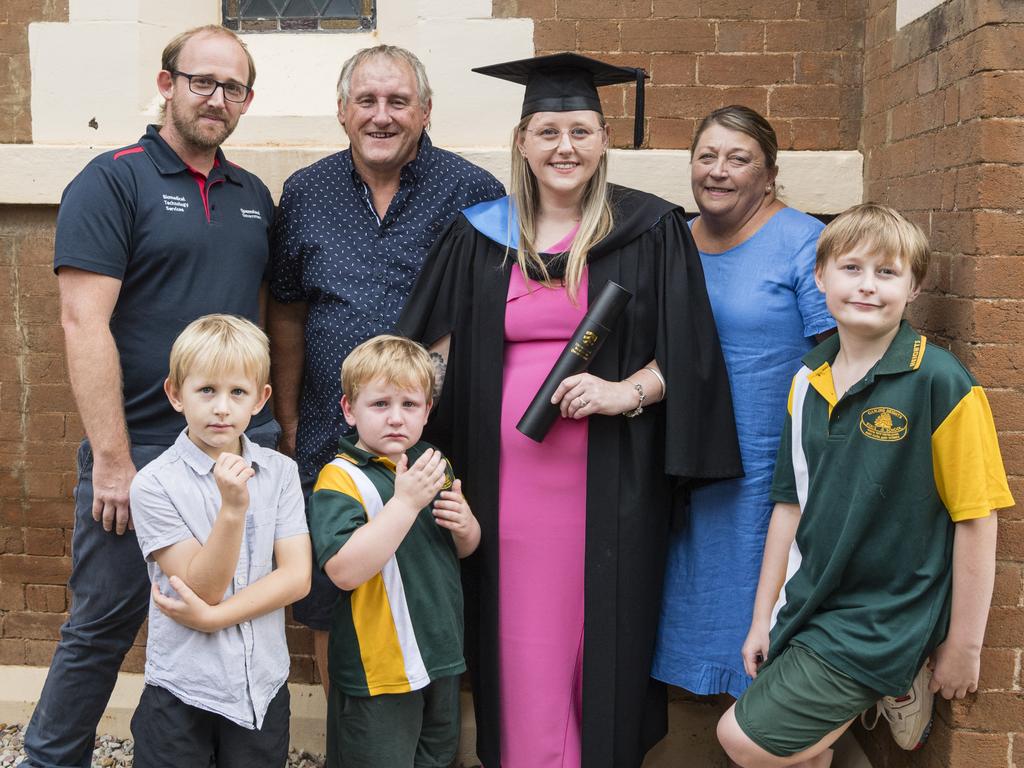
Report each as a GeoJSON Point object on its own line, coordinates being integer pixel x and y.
{"type": "Point", "coordinates": [111, 752]}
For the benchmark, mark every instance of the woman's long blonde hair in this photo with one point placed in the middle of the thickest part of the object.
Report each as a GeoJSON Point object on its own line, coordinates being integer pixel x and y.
{"type": "Point", "coordinates": [595, 220]}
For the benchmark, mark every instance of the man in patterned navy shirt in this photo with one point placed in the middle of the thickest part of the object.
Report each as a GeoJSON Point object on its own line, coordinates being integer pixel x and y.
{"type": "Point", "coordinates": [350, 237]}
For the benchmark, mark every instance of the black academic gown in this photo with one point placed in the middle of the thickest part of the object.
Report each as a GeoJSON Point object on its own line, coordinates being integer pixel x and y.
{"type": "Point", "coordinates": [633, 465]}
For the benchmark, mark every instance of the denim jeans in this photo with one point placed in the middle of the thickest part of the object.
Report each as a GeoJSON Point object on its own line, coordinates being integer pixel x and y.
{"type": "Point", "coordinates": [110, 587]}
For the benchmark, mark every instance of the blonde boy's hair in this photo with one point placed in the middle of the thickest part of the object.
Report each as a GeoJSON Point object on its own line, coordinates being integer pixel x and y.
{"type": "Point", "coordinates": [398, 361]}
{"type": "Point", "coordinates": [215, 344]}
{"type": "Point", "coordinates": [881, 228]}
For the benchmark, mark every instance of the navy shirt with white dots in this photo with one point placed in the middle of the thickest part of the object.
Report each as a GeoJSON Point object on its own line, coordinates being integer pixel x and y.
{"type": "Point", "coordinates": [355, 270]}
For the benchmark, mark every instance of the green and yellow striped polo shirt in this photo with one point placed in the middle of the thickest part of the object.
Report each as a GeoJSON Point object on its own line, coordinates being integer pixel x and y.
{"type": "Point", "coordinates": [403, 628]}
{"type": "Point", "coordinates": [881, 476]}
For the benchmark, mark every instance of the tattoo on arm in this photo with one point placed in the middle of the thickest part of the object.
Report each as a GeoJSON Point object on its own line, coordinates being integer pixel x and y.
{"type": "Point", "coordinates": [440, 366]}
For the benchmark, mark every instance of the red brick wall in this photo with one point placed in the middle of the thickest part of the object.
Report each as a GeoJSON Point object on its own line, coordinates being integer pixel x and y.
{"type": "Point", "coordinates": [796, 61]}
{"type": "Point", "coordinates": [943, 141]}
{"type": "Point", "coordinates": [15, 102]}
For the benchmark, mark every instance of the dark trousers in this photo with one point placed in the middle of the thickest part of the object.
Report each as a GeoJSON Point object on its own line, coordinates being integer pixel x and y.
{"type": "Point", "coordinates": [110, 586]}
{"type": "Point", "coordinates": [169, 733]}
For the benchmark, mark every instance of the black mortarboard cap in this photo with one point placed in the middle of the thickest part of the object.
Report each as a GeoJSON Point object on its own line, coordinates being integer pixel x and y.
{"type": "Point", "coordinates": [565, 82]}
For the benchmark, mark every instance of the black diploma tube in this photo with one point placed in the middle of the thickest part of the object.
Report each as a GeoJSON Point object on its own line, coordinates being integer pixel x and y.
{"type": "Point", "coordinates": [586, 340]}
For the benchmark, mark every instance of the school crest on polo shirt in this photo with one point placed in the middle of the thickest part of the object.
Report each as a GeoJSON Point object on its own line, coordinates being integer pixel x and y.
{"type": "Point", "coordinates": [884, 424]}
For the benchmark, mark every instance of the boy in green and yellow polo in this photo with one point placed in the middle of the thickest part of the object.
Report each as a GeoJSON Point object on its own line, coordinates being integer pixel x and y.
{"type": "Point", "coordinates": [880, 557]}
{"type": "Point", "coordinates": [389, 524]}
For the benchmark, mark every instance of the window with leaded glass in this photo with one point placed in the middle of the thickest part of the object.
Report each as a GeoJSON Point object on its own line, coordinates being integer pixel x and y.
{"type": "Point", "coordinates": [298, 15]}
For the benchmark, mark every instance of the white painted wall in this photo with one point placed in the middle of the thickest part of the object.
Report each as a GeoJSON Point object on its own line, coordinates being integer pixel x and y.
{"type": "Point", "coordinates": [908, 10]}
{"type": "Point", "coordinates": [100, 69]}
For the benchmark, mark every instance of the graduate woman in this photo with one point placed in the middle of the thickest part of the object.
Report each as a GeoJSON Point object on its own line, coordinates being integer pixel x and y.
{"type": "Point", "coordinates": [562, 597]}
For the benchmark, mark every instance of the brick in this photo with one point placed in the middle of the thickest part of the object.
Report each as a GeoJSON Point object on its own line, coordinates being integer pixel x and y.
{"type": "Point", "coordinates": [807, 36]}
{"type": "Point", "coordinates": [12, 597]}
{"type": "Point", "coordinates": [12, 541]}
{"type": "Point", "coordinates": [673, 69]}
{"type": "Point", "coordinates": [697, 101]}
{"type": "Point", "coordinates": [990, 185]}
{"type": "Point", "coordinates": [1009, 582]}
{"type": "Point", "coordinates": [50, 513]}
{"type": "Point", "coordinates": [44, 541]}
{"type": "Point", "coordinates": [554, 35]}
{"type": "Point", "coordinates": [37, 279]}
{"type": "Point", "coordinates": [12, 651]}
{"type": "Point", "coordinates": [978, 749]}
{"type": "Point", "coordinates": [46, 598]}
{"type": "Point", "coordinates": [998, 232]}
{"type": "Point", "coordinates": [750, 9]}
{"type": "Point", "coordinates": [991, 94]}
{"type": "Point", "coordinates": [1010, 545]}
{"type": "Point", "coordinates": [598, 36]}
{"type": "Point", "coordinates": [620, 132]}
{"type": "Point", "coordinates": [606, 9]}
{"type": "Point", "coordinates": [667, 133]}
{"type": "Point", "coordinates": [504, 9]}
{"type": "Point", "coordinates": [45, 369]}
{"type": "Point", "coordinates": [989, 276]}
{"type": "Point", "coordinates": [994, 711]}
{"type": "Point", "coordinates": [39, 653]}
{"type": "Point", "coordinates": [813, 67]}
{"type": "Point", "coordinates": [676, 9]}
{"type": "Point", "coordinates": [300, 640]}
{"type": "Point", "coordinates": [745, 69]}
{"type": "Point", "coordinates": [39, 309]}
{"type": "Point", "coordinates": [668, 35]}
{"type": "Point", "coordinates": [50, 398]}
{"type": "Point", "coordinates": [533, 9]}
{"type": "Point", "coordinates": [13, 39]}
{"type": "Point", "coordinates": [998, 669]}
{"type": "Point", "coordinates": [33, 626]}
{"type": "Point", "coordinates": [803, 101]}
{"type": "Point", "coordinates": [989, 48]}
{"type": "Point", "coordinates": [737, 36]}
{"type": "Point", "coordinates": [32, 569]}
{"type": "Point", "coordinates": [45, 426]}
{"type": "Point", "coordinates": [815, 134]}
{"type": "Point", "coordinates": [301, 670]}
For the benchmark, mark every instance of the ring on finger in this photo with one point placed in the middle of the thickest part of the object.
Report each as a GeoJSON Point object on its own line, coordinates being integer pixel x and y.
{"type": "Point", "coordinates": [583, 403]}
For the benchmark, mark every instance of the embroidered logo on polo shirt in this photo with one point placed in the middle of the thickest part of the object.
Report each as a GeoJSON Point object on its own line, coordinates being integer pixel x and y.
{"type": "Point", "coordinates": [883, 423]}
{"type": "Point", "coordinates": [251, 213]}
{"type": "Point", "coordinates": [175, 203]}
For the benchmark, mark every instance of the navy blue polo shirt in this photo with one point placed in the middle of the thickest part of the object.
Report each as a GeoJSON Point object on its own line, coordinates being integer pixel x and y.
{"type": "Point", "coordinates": [183, 245]}
{"type": "Point", "coordinates": [356, 270]}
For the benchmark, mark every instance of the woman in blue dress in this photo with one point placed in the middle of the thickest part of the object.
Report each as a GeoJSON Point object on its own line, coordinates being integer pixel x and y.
{"type": "Point", "coordinates": [758, 258]}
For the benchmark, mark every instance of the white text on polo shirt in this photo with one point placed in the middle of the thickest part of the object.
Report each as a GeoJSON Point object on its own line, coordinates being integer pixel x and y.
{"type": "Point", "coordinates": [251, 213]}
{"type": "Point", "coordinates": [175, 203]}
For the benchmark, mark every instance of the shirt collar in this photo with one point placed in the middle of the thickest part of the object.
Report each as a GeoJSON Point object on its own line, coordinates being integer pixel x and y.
{"type": "Point", "coordinates": [905, 353]}
{"type": "Point", "coordinates": [412, 171]}
{"type": "Point", "coordinates": [203, 464]}
{"type": "Point", "coordinates": [168, 163]}
{"type": "Point", "coordinates": [348, 451]}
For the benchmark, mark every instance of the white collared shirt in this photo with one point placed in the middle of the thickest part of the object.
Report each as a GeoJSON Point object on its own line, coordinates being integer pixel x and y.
{"type": "Point", "coordinates": [234, 672]}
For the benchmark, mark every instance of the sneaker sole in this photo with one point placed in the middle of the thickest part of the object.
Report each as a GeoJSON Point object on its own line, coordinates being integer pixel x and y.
{"type": "Point", "coordinates": [924, 735]}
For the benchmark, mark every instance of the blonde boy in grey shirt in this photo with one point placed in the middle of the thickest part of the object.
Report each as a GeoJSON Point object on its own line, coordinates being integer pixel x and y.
{"type": "Point", "coordinates": [222, 526]}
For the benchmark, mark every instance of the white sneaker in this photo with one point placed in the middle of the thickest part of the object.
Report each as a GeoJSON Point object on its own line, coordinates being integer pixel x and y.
{"type": "Point", "coordinates": [910, 715]}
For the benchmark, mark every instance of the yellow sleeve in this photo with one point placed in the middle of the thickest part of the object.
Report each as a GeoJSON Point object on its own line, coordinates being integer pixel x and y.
{"type": "Point", "coordinates": [968, 466]}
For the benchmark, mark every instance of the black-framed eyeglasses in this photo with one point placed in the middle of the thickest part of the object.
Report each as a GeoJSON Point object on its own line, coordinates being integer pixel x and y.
{"type": "Point", "coordinates": [204, 85]}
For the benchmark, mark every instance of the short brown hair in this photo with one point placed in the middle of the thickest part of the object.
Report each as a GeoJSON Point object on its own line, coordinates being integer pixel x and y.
{"type": "Point", "coordinates": [397, 360]}
{"type": "Point", "coordinates": [215, 344]}
{"type": "Point", "coordinates": [736, 117]}
{"type": "Point", "coordinates": [879, 227]}
{"type": "Point", "coordinates": [169, 58]}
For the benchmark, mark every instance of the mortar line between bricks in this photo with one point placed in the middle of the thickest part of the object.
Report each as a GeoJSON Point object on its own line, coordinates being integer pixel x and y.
{"type": "Point", "coordinates": [19, 466]}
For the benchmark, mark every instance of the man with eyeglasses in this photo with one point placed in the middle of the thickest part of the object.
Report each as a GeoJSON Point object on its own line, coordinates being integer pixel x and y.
{"type": "Point", "coordinates": [350, 238]}
{"type": "Point", "coordinates": [149, 237]}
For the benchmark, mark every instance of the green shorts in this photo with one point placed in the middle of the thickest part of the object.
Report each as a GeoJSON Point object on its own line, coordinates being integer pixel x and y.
{"type": "Point", "coordinates": [419, 728]}
{"type": "Point", "coordinates": [797, 700]}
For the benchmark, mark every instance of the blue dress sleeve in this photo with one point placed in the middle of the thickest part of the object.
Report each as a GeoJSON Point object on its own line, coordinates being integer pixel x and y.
{"type": "Point", "coordinates": [809, 299]}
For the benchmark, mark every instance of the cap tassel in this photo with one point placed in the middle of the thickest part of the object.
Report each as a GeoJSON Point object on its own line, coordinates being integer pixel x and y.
{"type": "Point", "coordinates": [638, 115]}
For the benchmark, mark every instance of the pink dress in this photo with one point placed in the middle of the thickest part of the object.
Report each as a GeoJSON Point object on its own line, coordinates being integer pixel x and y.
{"type": "Point", "coordinates": [541, 529]}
